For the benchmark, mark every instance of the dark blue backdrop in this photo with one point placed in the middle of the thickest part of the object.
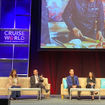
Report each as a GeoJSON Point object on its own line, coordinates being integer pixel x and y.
{"type": "Point", "coordinates": [15, 16]}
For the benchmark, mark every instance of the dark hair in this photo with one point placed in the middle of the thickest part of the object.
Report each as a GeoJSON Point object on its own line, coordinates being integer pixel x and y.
{"type": "Point", "coordinates": [92, 75]}
{"type": "Point", "coordinates": [11, 74]}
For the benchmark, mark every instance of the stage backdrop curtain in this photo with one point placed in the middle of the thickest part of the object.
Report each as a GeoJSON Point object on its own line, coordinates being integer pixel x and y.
{"type": "Point", "coordinates": [56, 65]}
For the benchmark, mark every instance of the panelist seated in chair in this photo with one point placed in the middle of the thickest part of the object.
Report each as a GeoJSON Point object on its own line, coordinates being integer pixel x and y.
{"type": "Point", "coordinates": [91, 82]}
{"type": "Point", "coordinates": [73, 82]}
{"type": "Point", "coordinates": [36, 81]}
{"type": "Point", "coordinates": [14, 83]}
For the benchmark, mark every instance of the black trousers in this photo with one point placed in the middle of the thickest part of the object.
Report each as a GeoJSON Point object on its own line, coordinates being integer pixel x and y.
{"type": "Point", "coordinates": [79, 93]}
{"type": "Point", "coordinates": [39, 85]}
{"type": "Point", "coordinates": [89, 86]}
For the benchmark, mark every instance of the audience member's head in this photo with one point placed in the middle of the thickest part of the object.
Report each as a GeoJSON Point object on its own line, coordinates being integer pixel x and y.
{"type": "Point", "coordinates": [91, 0]}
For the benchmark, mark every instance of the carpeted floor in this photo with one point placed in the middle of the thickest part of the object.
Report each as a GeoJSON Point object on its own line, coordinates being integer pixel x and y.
{"type": "Point", "coordinates": [56, 100]}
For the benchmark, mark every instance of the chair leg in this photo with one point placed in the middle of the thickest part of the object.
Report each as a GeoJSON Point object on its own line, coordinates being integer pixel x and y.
{"type": "Point", "coordinates": [62, 96]}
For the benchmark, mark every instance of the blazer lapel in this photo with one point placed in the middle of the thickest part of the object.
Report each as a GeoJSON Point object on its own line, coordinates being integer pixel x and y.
{"type": "Point", "coordinates": [34, 79]}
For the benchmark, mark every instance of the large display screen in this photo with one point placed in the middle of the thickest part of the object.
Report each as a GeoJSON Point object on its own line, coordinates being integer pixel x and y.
{"type": "Point", "coordinates": [73, 24]}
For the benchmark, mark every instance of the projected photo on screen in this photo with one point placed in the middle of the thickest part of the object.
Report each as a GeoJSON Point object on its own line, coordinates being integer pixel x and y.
{"type": "Point", "coordinates": [73, 24]}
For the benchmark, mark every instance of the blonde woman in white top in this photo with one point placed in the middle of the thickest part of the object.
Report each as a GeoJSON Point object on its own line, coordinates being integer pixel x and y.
{"type": "Point", "coordinates": [14, 83]}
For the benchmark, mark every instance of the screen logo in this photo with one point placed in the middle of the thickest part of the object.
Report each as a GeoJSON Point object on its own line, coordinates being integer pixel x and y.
{"type": "Point", "coordinates": [14, 36]}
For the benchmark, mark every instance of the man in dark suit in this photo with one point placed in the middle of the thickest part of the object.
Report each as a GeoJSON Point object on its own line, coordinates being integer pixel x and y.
{"type": "Point", "coordinates": [73, 82]}
{"type": "Point", "coordinates": [36, 81]}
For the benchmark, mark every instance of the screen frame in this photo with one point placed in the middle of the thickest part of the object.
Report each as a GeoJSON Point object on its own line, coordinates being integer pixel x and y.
{"type": "Point", "coordinates": [38, 32]}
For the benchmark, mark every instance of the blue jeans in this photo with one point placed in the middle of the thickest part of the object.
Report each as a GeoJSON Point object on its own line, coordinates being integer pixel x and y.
{"type": "Point", "coordinates": [15, 94]}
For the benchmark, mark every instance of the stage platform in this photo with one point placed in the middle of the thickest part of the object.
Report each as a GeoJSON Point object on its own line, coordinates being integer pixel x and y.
{"type": "Point", "coordinates": [56, 100]}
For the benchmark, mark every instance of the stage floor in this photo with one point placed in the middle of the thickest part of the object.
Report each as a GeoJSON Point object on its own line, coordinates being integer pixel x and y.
{"type": "Point", "coordinates": [56, 100]}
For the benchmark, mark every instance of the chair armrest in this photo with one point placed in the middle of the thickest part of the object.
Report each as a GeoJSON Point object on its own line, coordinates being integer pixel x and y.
{"type": "Point", "coordinates": [62, 86]}
{"type": "Point", "coordinates": [48, 86]}
{"type": "Point", "coordinates": [62, 89]}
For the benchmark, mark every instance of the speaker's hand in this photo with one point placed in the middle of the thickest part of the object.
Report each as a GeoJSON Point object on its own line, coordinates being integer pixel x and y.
{"type": "Point", "coordinates": [77, 32]}
{"type": "Point", "coordinates": [99, 36]}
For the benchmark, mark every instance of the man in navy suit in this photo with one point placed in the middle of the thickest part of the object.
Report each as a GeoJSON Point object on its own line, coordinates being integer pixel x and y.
{"type": "Point", "coordinates": [73, 82]}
